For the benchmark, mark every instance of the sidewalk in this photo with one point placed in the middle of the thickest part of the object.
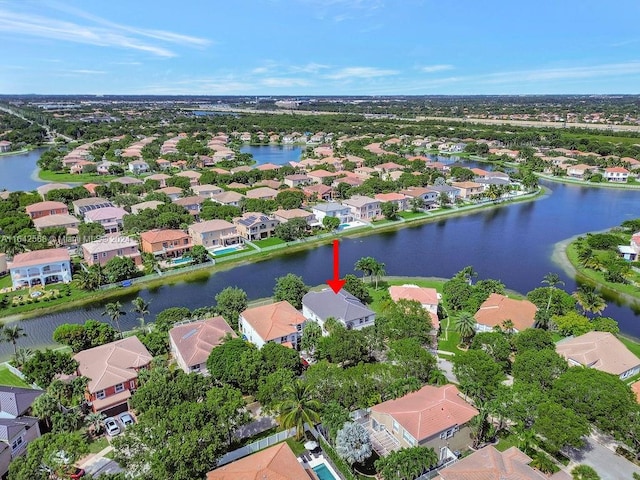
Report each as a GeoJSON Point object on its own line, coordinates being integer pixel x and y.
{"type": "Point", "coordinates": [93, 458]}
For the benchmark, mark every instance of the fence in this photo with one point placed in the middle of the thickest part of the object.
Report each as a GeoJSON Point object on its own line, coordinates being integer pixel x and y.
{"type": "Point", "coordinates": [18, 374]}
{"type": "Point", "coordinates": [256, 446]}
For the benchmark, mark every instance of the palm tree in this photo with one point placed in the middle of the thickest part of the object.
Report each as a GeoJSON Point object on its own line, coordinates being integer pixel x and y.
{"type": "Point", "coordinates": [377, 270]}
{"type": "Point", "coordinates": [94, 419]}
{"type": "Point", "coordinates": [21, 356]}
{"type": "Point", "coordinates": [552, 280]}
{"type": "Point", "coordinates": [298, 408]}
{"type": "Point", "coordinates": [508, 326]}
{"type": "Point", "coordinates": [468, 273]}
{"type": "Point", "coordinates": [589, 299]}
{"type": "Point", "coordinates": [141, 307]}
{"type": "Point", "coordinates": [11, 335]}
{"type": "Point", "coordinates": [44, 407]}
{"type": "Point", "coordinates": [465, 326]}
{"type": "Point", "coordinates": [364, 265]}
{"type": "Point", "coordinates": [114, 311]}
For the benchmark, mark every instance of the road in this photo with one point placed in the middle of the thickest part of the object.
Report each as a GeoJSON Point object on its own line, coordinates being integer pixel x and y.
{"type": "Point", "coordinates": [608, 465]}
{"type": "Point", "coordinates": [103, 465]}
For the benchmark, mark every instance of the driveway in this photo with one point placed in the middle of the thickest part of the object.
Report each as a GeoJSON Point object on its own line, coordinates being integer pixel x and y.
{"type": "Point", "coordinates": [102, 465]}
{"type": "Point", "coordinates": [608, 465]}
{"type": "Point", "coordinates": [446, 366]}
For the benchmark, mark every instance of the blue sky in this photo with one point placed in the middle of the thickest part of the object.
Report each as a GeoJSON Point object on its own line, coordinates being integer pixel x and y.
{"type": "Point", "coordinates": [319, 47]}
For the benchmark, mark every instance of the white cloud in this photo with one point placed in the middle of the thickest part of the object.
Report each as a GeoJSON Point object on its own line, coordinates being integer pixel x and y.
{"type": "Point", "coordinates": [88, 72]}
{"type": "Point", "coordinates": [360, 72]}
{"type": "Point", "coordinates": [436, 68]}
{"type": "Point", "coordinates": [283, 82]}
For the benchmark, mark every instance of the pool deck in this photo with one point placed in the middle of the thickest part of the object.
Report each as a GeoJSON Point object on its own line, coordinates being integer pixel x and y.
{"type": "Point", "coordinates": [320, 460]}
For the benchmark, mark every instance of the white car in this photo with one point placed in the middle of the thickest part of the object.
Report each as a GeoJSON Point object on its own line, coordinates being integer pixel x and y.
{"type": "Point", "coordinates": [111, 426]}
{"type": "Point", "coordinates": [126, 419]}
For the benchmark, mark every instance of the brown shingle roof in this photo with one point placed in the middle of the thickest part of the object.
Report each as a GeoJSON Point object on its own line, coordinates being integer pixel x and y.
{"type": "Point", "coordinates": [428, 411]}
{"type": "Point", "coordinates": [194, 341]}
{"type": "Point", "coordinates": [274, 320]}
{"type": "Point", "coordinates": [273, 463]}
{"type": "Point", "coordinates": [113, 363]}
{"type": "Point", "coordinates": [498, 308]}
{"type": "Point", "coordinates": [599, 350]}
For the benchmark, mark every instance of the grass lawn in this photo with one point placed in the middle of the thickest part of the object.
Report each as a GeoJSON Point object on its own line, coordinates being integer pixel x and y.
{"type": "Point", "coordinates": [631, 345]}
{"type": "Point", "coordinates": [450, 342]}
{"type": "Point", "coordinates": [507, 442]}
{"type": "Point", "coordinates": [268, 242]}
{"type": "Point", "coordinates": [382, 292]}
{"type": "Point", "coordinates": [98, 444]}
{"type": "Point", "coordinates": [63, 177]}
{"type": "Point", "coordinates": [408, 215]}
{"type": "Point", "coordinates": [5, 281]}
{"type": "Point", "coordinates": [8, 378]}
{"type": "Point", "coordinates": [297, 447]}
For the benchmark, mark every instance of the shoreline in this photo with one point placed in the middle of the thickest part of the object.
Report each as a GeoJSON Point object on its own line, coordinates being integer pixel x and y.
{"type": "Point", "coordinates": [582, 183]}
{"type": "Point", "coordinates": [169, 278]}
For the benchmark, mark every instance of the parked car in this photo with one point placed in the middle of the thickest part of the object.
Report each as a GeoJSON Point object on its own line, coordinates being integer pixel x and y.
{"type": "Point", "coordinates": [111, 426]}
{"type": "Point", "coordinates": [76, 473]}
{"type": "Point", "coordinates": [126, 419]}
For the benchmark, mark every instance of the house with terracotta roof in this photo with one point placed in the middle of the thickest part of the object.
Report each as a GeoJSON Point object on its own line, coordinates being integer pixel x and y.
{"type": "Point", "coordinates": [297, 180]}
{"type": "Point", "coordinates": [489, 463]}
{"type": "Point", "coordinates": [318, 192]}
{"type": "Point", "coordinates": [227, 198]}
{"type": "Point", "coordinates": [166, 243]}
{"type": "Point", "coordinates": [435, 417]}
{"type": "Point", "coordinates": [255, 225]}
{"type": "Point", "coordinates": [344, 307]}
{"type": "Point", "coordinates": [468, 189]}
{"type": "Point", "coordinates": [214, 233]}
{"type": "Point", "coordinates": [191, 343]}
{"type": "Point", "coordinates": [273, 463]}
{"type": "Point", "coordinates": [63, 220]}
{"type": "Point", "coordinates": [42, 209]}
{"type": "Point", "coordinates": [363, 207]}
{"type": "Point", "coordinates": [262, 193]}
{"type": "Point", "coordinates": [40, 267]}
{"type": "Point", "coordinates": [616, 174]}
{"type": "Point", "coordinates": [578, 171]}
{"type": "Point", "coordinates": [17, 425]}
{"type": "Point", "coordinates": [600, 350]}
{"type": "Point", "coordinates": [398, 199]}
{"type": "Point", "coordinates": [102, 250]}
{"type": "Point", "coordinates": [284, 216]}
{"type": "Point", "coordinates": [163, 164]}
{"type": "Point", "coordinates": [277, 322]}
{"type": "Point", "coordinates": [112, 370]}
{"type": "Point", "coordinates": [109, 217]}
{"type": "Point", "coordinates": [428, 298]}
{"type": "Point", "coordinates": [496, 309]}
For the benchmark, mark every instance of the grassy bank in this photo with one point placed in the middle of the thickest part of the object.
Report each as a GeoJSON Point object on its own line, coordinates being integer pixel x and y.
{"type": "Point", "coordinates": [62, 177]}
{"type": "Point", "coordinates": [575, 181]}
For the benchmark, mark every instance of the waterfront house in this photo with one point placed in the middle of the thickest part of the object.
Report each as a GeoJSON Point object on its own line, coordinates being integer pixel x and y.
{"type": "Point", "coordinates": [48, 187]}
{"type": "Point", "coordinates": [428, 298]}
{"type": "Point", "coordinates": [468, 189]}
{"type": "Point", "coordinates": [283, 216]}
{"type": "Point", "coordinates": [40, 267]}
{"type": "Point", "coordinates": [435, 417]}
{"type": "Point", "coordinates": [166, 243]}
{"type": "Point", "coordinates": [63, 220]}
{"type": "Point", "coordinates": [297, 180]}
{"type": "Point", "coordinates": [489, 463]}
{"type": "Point", "coordinates": [616, 174]}
{"type": "Point", "coordinates": [602, 351]}
{"type": "Point", "coordinates": [103, 167]}
{"type": "Point", "coordinates": [82, 166]}
{"type": "Point", "coordinates": [227, 198]}
{"type": "Point", "coordinates": [173, 193]}
{"type": "Point", "coordinates": [5, 146]}
{"type": "Point", "coordinates": [109, 217]}
{"type": "Point", "coordinates": [428, 196]}
{"type": "Point", "coordinates": [363, 208]}
{"type": "Point", "coordinates": [262, 193]}
{"type": "Point", "coordinates": [84, 205]}
{"type": "Point", "coordinates": [42, 209]}
{"type": "Point", "coordinates": [192, 342]}
{"type": "Point", "coordinates": [214, 233]}
{"type": "Point", "coordinates": [398, 199]}
{"type": "Point", "coordinates": [138, 166]}
{"type": "Point", "coordinates": [497, 309]}
{"type": "Point", "coordinates": [277, 322]}
{"type": "Point", "coordinates": [161, 178]}
{"type": "Point", "coordinates": [112, 370]}
{"type": "Point", "coordinates": [578, 171]}
{"type": "Point", "coordinates": [274, 463]}
{"type": "Point", "coordinates": [267, 166]}
{"type": "Point", "coordinates": [152, 204]}
{"type": "Point", "coordinates": [255, 226]}
{"type": "Point", "coordinates": [111, 246]}
{"type": "Point", "coordinates": [451, 192]}
{"type": "Point", "coordinates": [330, 209]}
{"type": "Point", "coordinates": [344, 307]}
{"type": "Point", "coordinates": [17, 425]}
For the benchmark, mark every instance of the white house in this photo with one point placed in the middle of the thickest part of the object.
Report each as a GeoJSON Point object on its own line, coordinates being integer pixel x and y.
{"type": "Point", "coordinates": [278, 322]}
{"type": "Point", "coordinates": [40, 267]}
{"type": "Point", "coordinates": [344, 307]}
{"type": "Point", "coordinates": [138, 166]}
{"type": "Point", "coordinates": [330, 209]}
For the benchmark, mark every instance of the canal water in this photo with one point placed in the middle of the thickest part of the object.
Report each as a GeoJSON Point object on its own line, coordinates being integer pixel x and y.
{"type": "Point", "coordinates": [17, 171]}
{"type": "Point", "coordinates": [512, 243]}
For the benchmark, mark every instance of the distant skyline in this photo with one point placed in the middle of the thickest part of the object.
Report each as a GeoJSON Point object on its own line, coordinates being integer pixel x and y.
{"type": "Point", "coordinates": [319, 47]}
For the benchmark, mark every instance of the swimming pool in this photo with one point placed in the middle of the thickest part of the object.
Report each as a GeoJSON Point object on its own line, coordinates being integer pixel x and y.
{"type": "Point", "coordinates": [324, 472]}
{"type": "Point", "coordinates": [181, 260]}
{"type": "Point", "coordinates": [354, 224]}
{"type": "Point", "coordinates": [222, 251]}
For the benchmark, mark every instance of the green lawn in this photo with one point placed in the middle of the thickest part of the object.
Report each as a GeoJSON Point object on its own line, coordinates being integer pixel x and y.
{"type": "Point", "coordinates": [449, 341]}
{"type": "Point", "coordinates": [8, 378]}
{"type": "Point", "coordinates": [63, 177]}
{"type": "Point", "coordinates": [297, 447]}
{"type": "Point", "coordinates": [268, 242]}
{"type": "Point", "coordinates": [98, 444]}
{"type": "Point", "coordinates": [5, 281]}
{"type": "Point", "coordinates": [408, 215]}
{"type": "Point", "coordinates": [510, 440]}
{"type": "Point", "coordinates": [634, 347]}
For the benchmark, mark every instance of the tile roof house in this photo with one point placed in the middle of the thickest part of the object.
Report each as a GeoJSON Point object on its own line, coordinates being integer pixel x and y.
{"type": "Point", "coordinates": [297, 180]}
{"type": "Point", "coordinates": [599, 350]}
{"type": "Point", "coordinates": [497, 308]}
{"type": "Point", "coordinates": [126, 181]}
{"type": "Point", "coordinates": [400, 200]}
{"type": "Point", "coordinates": [318, 192]}
{"type": "Point", "coordinates": [84, 205]}
{"type": "Point", "coordinates": [206, 190]}
{"type": "Point", "coordinates": [255, 226]}
{"type": "Point", "coordinates": [262, 193]}
{"type": "Point", "coordinates": [102, 250]}
{"type": "Point", "coordinates": [331, 209]}
{"type": "Point", "coordinates": [42, 209]}
{"type": "Point", "coordinates": [58, 220]}
{"type": "Point", "coordinates": [318, 176]}
{"type": "Point", "coordinates": [578, 171]}
{"type": "Point", "coordinates": [173, 193]}
{"type": "Point", "coordinates": [112, 370]}
{"type": "Point", "coordinates": [214, 233]}
{"type": "Point", "coordinates": [490, 464]}
{"type": "Point", "coordinates": [152, 204]}
{"type": "Point", "coordinates": [161, 178]}
{"type": "Point", "coordinates": [40, 267]}
{"type": "Point", "coordinates": [616, 174]}
{"type": "Point", "coordinates": [138, 166]}
{"type": "Point", "coordinates": [166, 242]}
{"type": "Point", "coordinates": [285, 215]}
{"type": "Point", "coordinates": [48, 187]}
{"type": "Point", "coordinates": [344, 307]}
{"type": "Point", "coordinates": [427, 297]}
{"type": "Point", "coordinates": [17, 427]}
{"type": "Point", "coordinates": [227, 198]}
{"type": "Point", "coordinates": [194, 177]}
{"type": "Point", "coordinates": [192, 204]}
{"type": "Point", "coordinates": [468, 189]}
{"type": "Point", "coordinates": [433, 416]}
{"type": "Point", "coordinates": [273, 463]}
{"type": "Point", "coordinates": [191, 343]}
{"type": "Point", "coordinates": [277, 322]}
{"type": "Point", "coordinates": [363, 208]}
{"type": "Point", "coordinates": [109, 217]}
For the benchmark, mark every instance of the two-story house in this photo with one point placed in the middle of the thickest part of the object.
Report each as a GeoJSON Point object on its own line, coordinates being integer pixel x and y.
{"type": "Point", "coordinates": [342, 306]}
{"type": "Point", "coordinates": [109, 217]}
{"type": "Point", "coordinates": [40, 267]}
{"type": "Point", "coordinates": [297, 180]}
{"type": "Point", "coordinates": [469, 189]}
{"type": "Point", "coordinates": [428, 298]}
{"type": "Point", "coordinates": [43, 209]}
{"type": "Point", "coordinates": [255, 226]}
{"type": "Point", "coordinates": [112, 370]}
{"type": "Point", "coordinates": [398, 199]}
{"type": "Point", "coordinates": [278, 322]}
{"type": "Point", "coordinates": [214, 233]}
{"type": "Point", "coordinates": [364, 208]}
{"type": "Point", "coordinates": [616, 174]}
{"type": "Point", "coordinates": [331, 209]}
{"type": "Point", "coordinates": [64, 220]}
{"type": "Point", "coordinates": [103, 250]}
{"type": "Point", "coordinates": [194, 177]}
{"type": "Point", "coordinates": [284, 216]}
{"type": "Point", "coordinates": [262, 193]}
{"type": "Point", "coordinates": [84, 205]}
{"type": "Point", "coordinates": [227, 198]}
{"type": "Point", "coordinates": [167, 243]}
{"type": "Point", "coordinates": [138, 166]}
{"type": "Point", "coordinates": [192, 204]}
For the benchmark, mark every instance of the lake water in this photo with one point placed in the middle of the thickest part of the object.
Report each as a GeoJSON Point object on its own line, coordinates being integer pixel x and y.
{"type": "Point", "coordinates": [276, 154]}
{"type": "Point", "coordinates": [16, 171]}
{"type": "Point", "coordinates": [512, 243]}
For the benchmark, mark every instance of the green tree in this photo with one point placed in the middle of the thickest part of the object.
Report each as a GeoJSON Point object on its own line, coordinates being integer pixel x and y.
{"type": "Point", "coordinates": [552, 280]}
{"type": "Point", "coordinates": [589, 299]}
{"type": "Point", "coordinates": [199, 254]}
{"type": "Point", "coordinates": [11, 334]}
{"type": "Point", "coordinates": [539, 367]}
{"type": "Point", "coordinates": [389, 210]}
{"type": "Point", "coordinates": [141, 307]}
{"type": "Point", "coordinates": [44, 407]}
{"type": "Point", "coordinates": [571, 324]}
{"type": "Point", "coordinates": [114, 311]}
{"type": "Point", "coordinates": [365, 265]}
{"type": "Point", "coordinates": [496, 345]}
{"type": "Point", "coordinates": [88, 232]}
{"type": "Point", "coordinates": [165, 320]}
{"type": "Point", "coordinates": [290, 199]}
{"type": "Point", "coordinates": [357, 288]}
{"type": "Point", "coordinates": [532, 339]}
{"type": "Point", "coordinates": [311, 333]}
{"type": "Point", "coordinates": [560, 427]}
{"type": "Point", "coordinates": [120, 268]}
{"type": "Point", "coordinates": [585, 472]}
{"type": "Point", "coordinates": [230, 302]}
{"type": "Point", "coordinates": [290, 288]}
{"type": "Point", "coordinates": [294, 229]}
{"type": "Point", "coordinates": [466, 326]}
{"type": "Point", "coordinates": [224, 360]}
{"type": "Point", "coordinates": [333, 417]}
{"type": "Point", "coordinates": [330, 223]}
{"type": "Point", "coordinates": [605, 324]}
{"type": "Point", "coordinates": [298, 407]}
{"type": "Point", "coordinates": [405, 319]}
{"type": "Point", "coordinates": [377, 271]}
{"type": "Point", "coordinates": [406, 463]}
{"type": "Point", "coordinates": [44, 365]}
{"type": "Point", "coordinates": [479, 375]}
{"type": "Point", "coordinates": [272, 386]}
{"type": "Point", "coordinates": [412, 358]}
{"type": "Point", "coordinates": [94, 421]}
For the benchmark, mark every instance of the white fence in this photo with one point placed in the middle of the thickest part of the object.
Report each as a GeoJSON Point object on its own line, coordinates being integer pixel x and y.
{"type": "Point", "coordinates": [256, 446]}
{"type": "Point", "coordinates": [19, 374]}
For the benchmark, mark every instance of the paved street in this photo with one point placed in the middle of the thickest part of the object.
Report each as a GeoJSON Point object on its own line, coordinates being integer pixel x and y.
{"type": "Point", "coordinates": [608, 465]}
{"type": "Point", "coordinates": [102, 465]}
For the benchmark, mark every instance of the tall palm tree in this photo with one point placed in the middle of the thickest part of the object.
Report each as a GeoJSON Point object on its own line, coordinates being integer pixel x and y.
{"type": "Point", "coordinates": [114, 311]}
{"type": "Point", "coordinates": [11, 334]}
{"type": "Point", "coordinates": [364, 265]}
{"type": "Point", "coordinates": [21, 356]}
{"type": "Point", "coordinates": [552, 280]}
{"type": "Point", "coordinates": [589, 299]}
{"type": "Point", "coordinates": [141, 307]}
{"type": "Point", "coordinates": [377, 270]}
{"type": "Point", "coordinates": [465, 326]}
{"type": "Point", "coordinates": [468, 273]}
{"type": "Point", "coordinates": [298, 408]}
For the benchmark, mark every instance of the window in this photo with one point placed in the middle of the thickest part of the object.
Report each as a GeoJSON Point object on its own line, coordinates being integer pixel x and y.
{"type": "Point", "coordinates": [396, 426]}
{"type": "Point", "coordinates": [120, 387]}
{"type": "Point", "coordinates": [100, 395]}
{"type": "Point", "coordinates": [195, 368]}
{"type": "Point", "coordinates": [408, 438]}
{"type": "Point", "coordinates": [95, 256]}
{"type": "Point", "coordinates": [132, 384]}
{"type": "Point", "coordinates": [17, 443]}
{"type": "Point", "coordinates": [449, 433]}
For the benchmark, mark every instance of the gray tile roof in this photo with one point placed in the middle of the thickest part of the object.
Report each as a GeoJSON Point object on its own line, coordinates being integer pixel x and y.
{"type": "Point", "coordinates": [342, 306]}
{"type": "Point", "coordinates": [329, 207]}
{"type": "Point", "coordinates": [15, 401]}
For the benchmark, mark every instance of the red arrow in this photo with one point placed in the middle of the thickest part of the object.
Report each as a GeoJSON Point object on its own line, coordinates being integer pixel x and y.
{"type": "Point", "coordinates": [336, 284]}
